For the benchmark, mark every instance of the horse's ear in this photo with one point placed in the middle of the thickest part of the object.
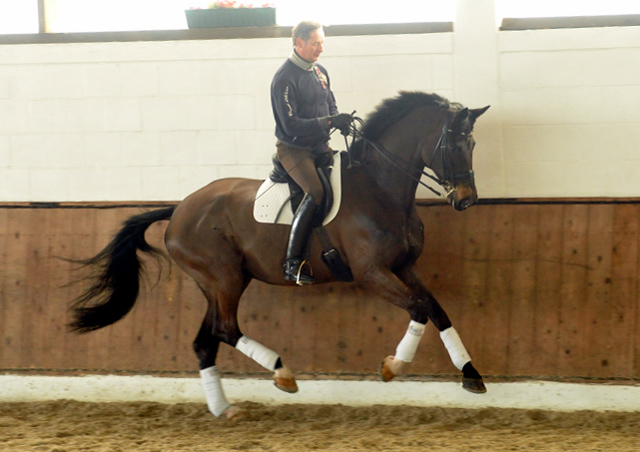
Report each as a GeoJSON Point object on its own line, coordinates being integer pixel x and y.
{"type": "Point", "coordinates": [460, 117]}
{"type": "Point", "coordinates": [478, 111]}
{"type": "Point", "coordinates": [473, 114]}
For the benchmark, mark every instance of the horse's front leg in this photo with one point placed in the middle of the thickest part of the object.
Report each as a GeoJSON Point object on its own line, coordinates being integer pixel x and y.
{"type": "Point", "coordinates": [410, 294]}
{"type": "Point", "coordinates": [427, 304]}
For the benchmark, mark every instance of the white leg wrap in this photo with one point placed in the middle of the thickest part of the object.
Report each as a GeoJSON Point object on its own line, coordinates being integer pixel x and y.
{"type": "Point", "coordinates": [216, 401]}
{"type": "Point", "coordinates": [259, 353]}
{"type": "Point", "coordinates": [407, 347]}
{"type": "Point", "coordinates": [454, 346]}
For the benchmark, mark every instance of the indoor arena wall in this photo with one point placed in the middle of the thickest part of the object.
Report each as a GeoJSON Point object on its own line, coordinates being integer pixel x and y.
{"type": "Point", "coordinates": [534, 288]}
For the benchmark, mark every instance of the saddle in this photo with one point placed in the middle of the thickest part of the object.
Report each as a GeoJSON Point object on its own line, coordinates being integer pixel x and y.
{"type": "Point", "coordinates": [278, 197]}
{"type": "Point", "coordinates": [279, 192]}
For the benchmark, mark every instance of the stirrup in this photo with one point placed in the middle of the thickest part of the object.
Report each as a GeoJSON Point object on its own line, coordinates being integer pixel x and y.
{"type": "Point", "coordinates": [301, 277]}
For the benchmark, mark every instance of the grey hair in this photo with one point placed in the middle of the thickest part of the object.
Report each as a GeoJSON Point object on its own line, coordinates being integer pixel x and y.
{"type": "Point", "coordinates": [303, 30]}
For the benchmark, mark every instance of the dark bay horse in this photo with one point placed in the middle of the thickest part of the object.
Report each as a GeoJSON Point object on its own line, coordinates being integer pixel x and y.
{"type": "Point", "coordinates": [214, 238]}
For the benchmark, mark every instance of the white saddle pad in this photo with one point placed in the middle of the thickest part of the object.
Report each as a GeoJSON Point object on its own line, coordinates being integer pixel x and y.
{"type": "Point", "coordinates": [271, 199]}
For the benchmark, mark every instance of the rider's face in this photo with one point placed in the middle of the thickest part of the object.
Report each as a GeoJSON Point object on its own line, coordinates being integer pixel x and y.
{"type": "Point", "coordinates": [311, 49]}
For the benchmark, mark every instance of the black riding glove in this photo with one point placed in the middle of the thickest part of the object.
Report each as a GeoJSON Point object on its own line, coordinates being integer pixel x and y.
{"type": "Point", "coordinates": [342, 122]}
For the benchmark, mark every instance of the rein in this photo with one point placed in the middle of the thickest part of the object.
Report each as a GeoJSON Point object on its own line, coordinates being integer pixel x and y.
{"type": "Point", "coordinates": [443, 147]}
{"type": "Point", "coordinates": [386, 154]}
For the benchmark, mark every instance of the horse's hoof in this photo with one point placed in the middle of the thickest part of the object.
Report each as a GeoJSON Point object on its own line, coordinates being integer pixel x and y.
{"type": "Point", "coordinates": [286, 385]}
{"type": "Point", "coordinates": [475, 385]}
{"type": "Point", "coordinates": [390, 367]}
{"type": "Point", "coordinates": [234, 413]}
{"type": "Point", "coordinates": [386, 374]}
{"type": "Point", "coordinates": [284, 380]}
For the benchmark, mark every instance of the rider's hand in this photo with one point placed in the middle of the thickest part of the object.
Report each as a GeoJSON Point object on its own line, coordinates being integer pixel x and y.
{"type": "Point", "coordinates": [342, 122]}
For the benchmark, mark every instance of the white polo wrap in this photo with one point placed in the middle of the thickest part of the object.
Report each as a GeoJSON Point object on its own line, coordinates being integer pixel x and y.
{"type": "Point", "coordinates": [259, 353]}
{"type": "Point", "coordinates": [407, 347]}
{"type": "Point", "coordinates": [216, 400]}
{"type": "Point", "coordinates": [454, 346]}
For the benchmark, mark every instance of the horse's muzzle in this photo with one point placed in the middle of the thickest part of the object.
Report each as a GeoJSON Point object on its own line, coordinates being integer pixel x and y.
{"type": "Point", "coordinates": [462, 198]}
{"type": "Point", "coordinates": [464, 204]}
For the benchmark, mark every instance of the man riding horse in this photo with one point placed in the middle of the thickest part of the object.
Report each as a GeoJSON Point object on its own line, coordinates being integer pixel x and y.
{"type": "Point", "coordinates": [214, 238]}
{"type": "Point", "coordinates": [305, 111]}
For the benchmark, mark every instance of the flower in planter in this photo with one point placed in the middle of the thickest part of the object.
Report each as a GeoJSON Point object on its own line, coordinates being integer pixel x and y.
{"type": "Point", "coordinates": [224, 4]}
{"type": "Point", "coordinates": [235, 4]}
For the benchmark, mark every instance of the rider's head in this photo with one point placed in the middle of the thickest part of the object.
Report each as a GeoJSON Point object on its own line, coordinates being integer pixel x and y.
{"type": "Point", "coordinates": [308, 40]}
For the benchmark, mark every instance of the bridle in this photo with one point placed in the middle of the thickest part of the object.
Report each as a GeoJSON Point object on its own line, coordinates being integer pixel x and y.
{"type": "Point", "coordinates": [443, 149]}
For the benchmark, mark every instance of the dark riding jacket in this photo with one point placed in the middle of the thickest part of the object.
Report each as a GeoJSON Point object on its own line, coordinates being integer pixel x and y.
{"type": "Point", "coordinates": [302, 102]}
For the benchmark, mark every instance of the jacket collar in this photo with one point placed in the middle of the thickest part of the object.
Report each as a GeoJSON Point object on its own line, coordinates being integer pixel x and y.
{"type": "Point", "coordinates": [302, 64]}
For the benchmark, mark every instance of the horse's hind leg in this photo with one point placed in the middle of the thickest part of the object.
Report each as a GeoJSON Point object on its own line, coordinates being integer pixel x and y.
{"type": "Point", "coordinates": [206, 347]}
{"type": "Point", "coordinates": [221, 325]}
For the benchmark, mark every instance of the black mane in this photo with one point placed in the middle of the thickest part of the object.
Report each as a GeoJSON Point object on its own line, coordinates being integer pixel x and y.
{"type": "Point", "coordinates": [394, 109]}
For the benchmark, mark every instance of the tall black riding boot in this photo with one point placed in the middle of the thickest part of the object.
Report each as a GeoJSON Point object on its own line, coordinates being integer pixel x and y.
{"type": "Point", "coordinates": [294, 268]}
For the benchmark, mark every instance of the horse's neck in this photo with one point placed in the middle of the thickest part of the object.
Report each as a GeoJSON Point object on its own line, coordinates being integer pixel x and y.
{"type": "Point", "coordinates": [396, 185]}
{"type": "Point", "coordinates": [403, 143]}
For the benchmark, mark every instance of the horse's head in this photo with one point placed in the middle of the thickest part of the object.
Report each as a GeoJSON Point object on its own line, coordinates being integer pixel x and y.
{"type": "Point", "coordinates": [452, 158]}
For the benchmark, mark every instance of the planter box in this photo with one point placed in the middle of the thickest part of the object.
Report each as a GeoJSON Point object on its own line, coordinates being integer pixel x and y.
{"type": "Point", "coordinates": [231, 17]}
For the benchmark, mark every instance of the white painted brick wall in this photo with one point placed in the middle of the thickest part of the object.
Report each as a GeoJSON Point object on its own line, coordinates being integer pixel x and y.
{"type": "Point", "coordinates": [157, 120]}
{"type": "Point", "coordinates": [5, 151]}
{"type": "Point", "coordinates": [570, 112]}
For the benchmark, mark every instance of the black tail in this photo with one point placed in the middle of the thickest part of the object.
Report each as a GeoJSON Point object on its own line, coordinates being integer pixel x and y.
{"type": "Point", "coordinates": [117, 269]}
